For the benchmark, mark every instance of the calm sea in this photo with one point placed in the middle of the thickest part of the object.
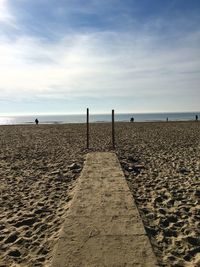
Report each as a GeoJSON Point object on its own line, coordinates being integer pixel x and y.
{"type": "Point", "coordinates": [60, 119]}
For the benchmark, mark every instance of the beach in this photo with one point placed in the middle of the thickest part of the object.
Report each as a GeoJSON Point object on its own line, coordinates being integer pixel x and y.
{"type": "Point", "coordinates": [40, 165]}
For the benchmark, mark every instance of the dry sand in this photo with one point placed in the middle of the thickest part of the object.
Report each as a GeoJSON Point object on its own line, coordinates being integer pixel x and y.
{"type": "Point", "coordinates": [39, 166]}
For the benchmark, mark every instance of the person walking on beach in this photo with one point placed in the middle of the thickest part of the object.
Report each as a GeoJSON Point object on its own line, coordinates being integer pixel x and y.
{"type": "Point", "coordinates": [196, 117]}
{"type": "Point", "coordinates": [36, 121]}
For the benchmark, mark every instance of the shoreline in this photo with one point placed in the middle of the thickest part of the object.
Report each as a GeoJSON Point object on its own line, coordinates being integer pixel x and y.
{"type": "Point", "coordinates": [99, 118]}
{"type": "Point", "coordinates": [99, 122]}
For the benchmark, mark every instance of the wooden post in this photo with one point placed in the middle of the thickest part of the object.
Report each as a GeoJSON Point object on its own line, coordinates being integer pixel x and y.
{"type": "Point", "coordinates": [113, 129]}
{"type": "Point", "coordinates": [87, 128]}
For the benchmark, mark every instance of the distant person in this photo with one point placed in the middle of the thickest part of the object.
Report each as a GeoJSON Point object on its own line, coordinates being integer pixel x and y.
{"type": "Point", "coordinates": [36, 121]}
{"type": "Point", "coordinates": [132, 119]}
{"type": "Point", "coordinates": [167, 119]}
{"type": "Point", "coordinates": [196, 117]}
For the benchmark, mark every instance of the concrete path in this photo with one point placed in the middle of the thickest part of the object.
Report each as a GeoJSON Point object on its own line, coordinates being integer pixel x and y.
{"type": "Point", "coordinates": [102, 226]}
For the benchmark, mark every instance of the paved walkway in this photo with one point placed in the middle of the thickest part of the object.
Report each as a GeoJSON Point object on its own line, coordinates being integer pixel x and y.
{"type": "Point", "coordinates": [102, 226]}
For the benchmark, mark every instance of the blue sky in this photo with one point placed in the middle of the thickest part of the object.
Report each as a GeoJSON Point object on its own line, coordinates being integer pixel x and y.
{"type": "Point", "coordinates": [132, 55]}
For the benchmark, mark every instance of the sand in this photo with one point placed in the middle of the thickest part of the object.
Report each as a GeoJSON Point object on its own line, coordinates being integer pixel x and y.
{"type": "Point", "coordinates": [39, 167]}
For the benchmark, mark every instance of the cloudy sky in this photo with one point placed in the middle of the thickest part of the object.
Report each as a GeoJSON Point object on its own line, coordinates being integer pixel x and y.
{"type": "Point", "coordinates": [61, 56]}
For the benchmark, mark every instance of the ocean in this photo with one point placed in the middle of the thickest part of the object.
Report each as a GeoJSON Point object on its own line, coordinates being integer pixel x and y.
{"type": "Point", "coordinates": [60, 119]}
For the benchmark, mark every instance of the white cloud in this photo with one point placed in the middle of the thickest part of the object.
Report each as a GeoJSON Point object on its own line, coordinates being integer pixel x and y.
{"type": "Point", "coordinates": [6, 16]}
{"type": "Point", "coordinates": [132, 64]}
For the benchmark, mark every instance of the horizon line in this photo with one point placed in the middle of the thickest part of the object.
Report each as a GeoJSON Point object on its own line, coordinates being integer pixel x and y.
{"type": "Point", "coordinates": [96, 113]}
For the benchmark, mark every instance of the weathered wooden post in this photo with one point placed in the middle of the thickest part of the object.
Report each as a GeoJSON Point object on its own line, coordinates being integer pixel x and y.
{"type": "Point", "coordinates": [113, 129]}
{"type": "Point", "coordinates": [87, 128]}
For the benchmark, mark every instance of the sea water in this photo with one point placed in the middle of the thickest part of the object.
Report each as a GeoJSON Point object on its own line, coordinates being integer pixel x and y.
{"type": "Point", "coordinates": [60, 119]}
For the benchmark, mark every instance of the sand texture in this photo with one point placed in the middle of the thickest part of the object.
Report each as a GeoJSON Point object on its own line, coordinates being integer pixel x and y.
{"type": "Point", "coordinates": [38, 171]}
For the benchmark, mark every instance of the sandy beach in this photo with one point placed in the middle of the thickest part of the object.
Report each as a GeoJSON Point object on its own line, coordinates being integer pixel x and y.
{"type": "Point", "coordinates": [39, 167]}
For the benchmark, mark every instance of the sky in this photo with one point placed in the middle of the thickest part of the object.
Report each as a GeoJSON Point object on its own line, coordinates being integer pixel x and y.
{"type": "Point", "coordinates": [62, 56]}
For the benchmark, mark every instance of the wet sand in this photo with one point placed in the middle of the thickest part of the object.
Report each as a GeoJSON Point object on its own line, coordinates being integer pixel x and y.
{"type": "Point", "coordinates": [39, 166]}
